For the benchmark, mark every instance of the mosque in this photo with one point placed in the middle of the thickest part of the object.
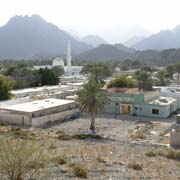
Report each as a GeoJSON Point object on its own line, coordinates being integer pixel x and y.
{"type": "Point", "coordinates": [69, 70]}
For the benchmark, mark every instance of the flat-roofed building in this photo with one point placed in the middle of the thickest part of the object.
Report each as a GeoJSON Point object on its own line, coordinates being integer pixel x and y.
{"type": "Point", "coordinates": [134, 102]}
{"type": "Point", "coordinates": [37, 113]}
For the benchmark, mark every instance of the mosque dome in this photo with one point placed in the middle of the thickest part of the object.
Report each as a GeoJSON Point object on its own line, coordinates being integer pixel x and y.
{"type": "Point", "coordinates": [58, 62]}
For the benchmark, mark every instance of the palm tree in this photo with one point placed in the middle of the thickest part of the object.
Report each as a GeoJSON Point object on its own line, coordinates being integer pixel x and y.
{"type": "Point", "coordinates": [92, 100]}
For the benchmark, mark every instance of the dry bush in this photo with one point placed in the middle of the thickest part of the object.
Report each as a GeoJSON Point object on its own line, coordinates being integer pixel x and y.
{"type": "Point", "coordinates": [59, 159]}
{"type": "Point", "coordinates": [19, 159]}
{"type": "Point", "coordinates": [173, 154]}
{"type": "Point", "coordinates": [63, 136]}
{"type": "Point", "coordinates": [135, 166]}
{"type": "Point", "coordinates": [17, 132]}
{"type": "Point", "coordinates": [150, 154]}
{"type": "Point", "coordinates": [80, 171]}
{"type": "Point", "coordinates": [139, 134]}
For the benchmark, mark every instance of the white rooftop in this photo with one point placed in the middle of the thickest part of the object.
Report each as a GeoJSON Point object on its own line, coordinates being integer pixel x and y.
{"type": "Point", "coordinates": [37, 105]}
{"type": "Point", "coordinates": [163, 101]}
{"type": "Point", "coordinates": [42, 88]}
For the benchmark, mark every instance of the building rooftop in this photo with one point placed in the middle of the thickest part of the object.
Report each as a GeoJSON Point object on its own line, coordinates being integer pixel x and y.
{"type": "Point", "coordinates": [37, 105]}
{"type": "Point", "coordinates": [123, 90]}
{"type": "Point", "coordinates": [43, 88]}
{"type": "Point", "coordinates": [163, 101]}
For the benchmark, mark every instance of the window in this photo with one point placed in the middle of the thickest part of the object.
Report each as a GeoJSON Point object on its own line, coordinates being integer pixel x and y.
{"type": "Point", "coordinates": [155, 111]}
{"type": "Point", "coordinates": [138, 108]}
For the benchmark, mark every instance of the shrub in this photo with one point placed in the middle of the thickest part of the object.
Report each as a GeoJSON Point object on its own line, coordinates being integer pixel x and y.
{"type": "Point", "coordinates": [123, 82]}
{"type": "Point", "coordinates": [139, 134]}
{"type": "Point", "coordinates": [150, 154]}
{"type": "Point", "coordinates": [64, 136]}
{"type": "Point", "coordinates": [52, 146]}
{"type": "Point", "coordinates": [135, 166]}
{"type": "Point", "coordinates": [19, 158]}
{"type": "Point", "coordinates": [86, 136]}
{"type": "Point", "coordinates": [173, 154]}
{"type": "Point", "coordinates": [80, 171]}
{"type": "Point", "coordinates": [21, 134]}
{"type": "Point", "coordinates": [59, 159]}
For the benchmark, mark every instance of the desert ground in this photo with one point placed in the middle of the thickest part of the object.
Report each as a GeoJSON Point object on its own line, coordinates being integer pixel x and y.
{"type": "Point", "coordinates": [126, 147]}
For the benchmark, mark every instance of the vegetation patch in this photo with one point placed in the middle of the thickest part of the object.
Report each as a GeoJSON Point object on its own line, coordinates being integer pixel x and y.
{"type": "Point", "coordinates": [64, 136]}
{"type": "Point", "coordinates": [150, 154]}
{"type": "Point", "coordinates": [86, 136]}
{"type": "Point", "coordinates": [173, 154]}
{"type": "Point", "coordinates": [22, 134]}
{"type": "Point", "coordinates": [141, 131]}
{"type": "Point", "coordinates": [60, 159]}
{"type": "Point", "coordinates": [135, 166]}
{"type": "Point", "coordinates": [80, 171]}
{"type": "Point", "coordinates": [20, 159]}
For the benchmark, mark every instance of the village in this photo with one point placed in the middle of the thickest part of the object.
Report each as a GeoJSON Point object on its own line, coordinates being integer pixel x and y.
{"type": "Point", "coordinates": [135, 131]}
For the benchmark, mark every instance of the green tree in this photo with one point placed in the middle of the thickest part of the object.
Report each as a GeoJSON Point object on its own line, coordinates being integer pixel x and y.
{"type": "Point", "coordinates": [161, 75]}
{"type": "Point", "coordinates": [123, 81]}
{"type": "Point", "coordinates": [59, 71]}
{"type": "Point", "coordinates": [97, 71]}
{"type": "Point", "coordinates": [48, 77]}
{"type": "Point", "coordinates": [171, 70]}
{"type": "Point", "coordinates": [92, 99]}
{"type": "Point", "coordinates": [144, 80]}
{"type": "Point", "coordinates": [5, 87]}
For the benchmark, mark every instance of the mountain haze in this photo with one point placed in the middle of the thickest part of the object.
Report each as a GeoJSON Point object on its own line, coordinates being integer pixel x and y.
{"type": "Point", "coordinates": [134, 40]}
{"type": "Point", "coordinates": [93, 40]}
{"type": "Point", "coordinates": [24, 37]}
{"type": "Point", "coordinates": [165, 39]}
{"type": "Point", "coordinates": [104, 52]}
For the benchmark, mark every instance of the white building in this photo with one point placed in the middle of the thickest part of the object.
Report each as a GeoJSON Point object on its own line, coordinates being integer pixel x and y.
{"type": "Point", "coordinates": [37, 113]}
{"type": "Point", "coordinates": [47, 90]}
{"type": "Point", "coordinates": [58, 62]}
{"type": "Point", "coordinates": [171, 91]}
{"type": "Point", "coordinates": [69, 70]}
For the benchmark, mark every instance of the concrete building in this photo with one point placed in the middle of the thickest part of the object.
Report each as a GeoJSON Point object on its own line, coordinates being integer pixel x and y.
{"type": "Point", "coordinates": [175, 133]}
{"type": "Point", "coordinates": [37, 113]}
{"type": "Point", "coordinates": [50, 91]}
{"type": "Point", "coordinates": [170, 92]}
{"type": "Point", "coordinates": [148, 104]}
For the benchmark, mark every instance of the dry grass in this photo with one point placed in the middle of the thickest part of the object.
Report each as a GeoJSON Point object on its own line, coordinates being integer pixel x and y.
{"type": "Point", "coordinates": [59, 159]}
{"type": "Point", "coordinates": [150, 154]}
{"type": "Point", "coordinates": [80, 171]}
{"type": "Point", "coordinates": [135, 166]}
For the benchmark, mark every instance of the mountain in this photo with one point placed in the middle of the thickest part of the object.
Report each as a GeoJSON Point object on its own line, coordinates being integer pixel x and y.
{"type": "Point", "coordinates": [120, 52]}
{"type": "Point", "coordinates": [134, 40]}
{"type": "Point", "coordinates": [93, 40]}
{"type": "Point", "coordinates": [24, 37]}
{"type": "Point", "coordinates": [104, 52]}
{"type": "Point", "coordinates": [124, 48]}
{"type": "Point", "coordinates": [165, 39]}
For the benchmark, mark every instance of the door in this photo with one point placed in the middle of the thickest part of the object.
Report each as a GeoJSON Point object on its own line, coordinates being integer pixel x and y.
{"type": "Point", "coordinates": [126, 108]}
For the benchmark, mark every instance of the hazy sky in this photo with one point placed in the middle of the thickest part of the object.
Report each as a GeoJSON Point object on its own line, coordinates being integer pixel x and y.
{"type": "Point", "coordinates": [102, 17]}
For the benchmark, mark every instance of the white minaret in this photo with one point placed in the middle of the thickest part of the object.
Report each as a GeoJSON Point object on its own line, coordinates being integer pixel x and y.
{"type": "Point", "coordinates": [69, 54]}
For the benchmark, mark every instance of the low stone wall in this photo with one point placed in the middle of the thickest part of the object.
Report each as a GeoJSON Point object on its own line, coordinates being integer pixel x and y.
{"type": "Point", "coordinates": [53, 117]}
